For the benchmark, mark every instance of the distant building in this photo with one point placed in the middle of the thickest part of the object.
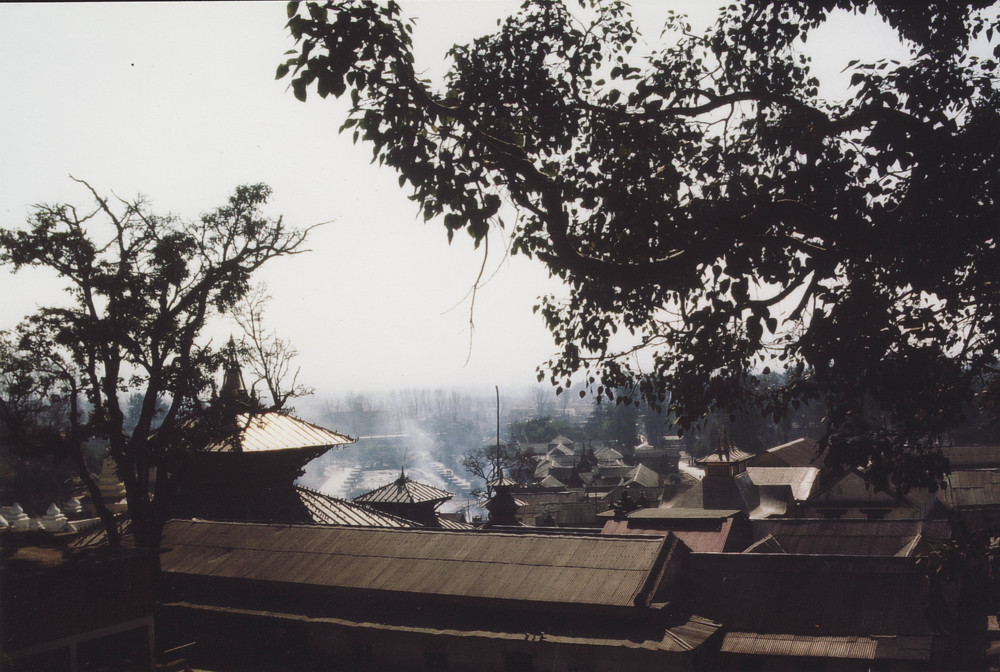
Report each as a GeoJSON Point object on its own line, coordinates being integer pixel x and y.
{"type": "Point", "coordinates": [411, 500]}
{"type": "Point", "coordinates": [245, 465]}
{"type": "Point", "coordinates": [701, 530]}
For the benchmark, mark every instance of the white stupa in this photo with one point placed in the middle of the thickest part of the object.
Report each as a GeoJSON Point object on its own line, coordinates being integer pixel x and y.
{"type": "Point", "coordinates": [73, 506]}
{"type": "Point", "coordinates": [3, 523]}
{"type": "Point", "coordinates": [16, 517]}
{"type": "Point", "coordinates": [54, 520]}
{"type": "Point", "coordinates": [112, 489]}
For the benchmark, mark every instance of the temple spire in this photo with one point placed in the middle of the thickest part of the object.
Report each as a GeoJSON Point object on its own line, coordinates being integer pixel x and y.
{"type": "Point", "coordinates": [232, 379]}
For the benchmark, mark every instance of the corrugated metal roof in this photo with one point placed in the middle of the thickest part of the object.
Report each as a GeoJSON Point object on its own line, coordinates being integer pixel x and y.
{"type": "Point", "coordinates": [551, 481]}
{"type": "Point", "coordinates": [812, 536]}
{"type": "Point", "coordinates": [644, 476]}
{"type": "Point", "coordinates": [734, 455]}
{"type": "Point", "coordinates": [686, 636]}
{"type": "Point", "coordinates": [699, 540]}
{"type": "Point", "coordinates": [809, 594]}
{"type": "Point", "coordinates": [684, 514]}
{"type": "Point", "coordinates": [972, 488]}
{"type": "Point", "coordinates": [328, 510]}
{"type": "Point", "coordinates": [404, 491]}
{"type": "Point", "coordinates": [277, 431]}
{"type": "Point", "coordinates": [802, 480]}
{"type": "Point", "coordinates": [449, 524]}
{"type": "Point", "coordinates": [802, 452]}
{"type": "Point", "coordinates": [972, 457]}
{"type": "Point", "coordinates": [606, 571]}
{"type": "Point", "coordinates": [800, 646]}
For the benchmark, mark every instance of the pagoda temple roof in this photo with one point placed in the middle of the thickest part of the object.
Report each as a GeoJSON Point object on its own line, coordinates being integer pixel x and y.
{"type": "Point", "coordinates": [404, 491]}
{"type": "Point", "coordinates": [258, 432]}
{"type": "Point", "coordinates": [734, 455]}
{"type": "Point", "coordinates": [503, 481]}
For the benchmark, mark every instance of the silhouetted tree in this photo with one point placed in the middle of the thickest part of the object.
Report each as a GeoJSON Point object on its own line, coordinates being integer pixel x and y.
{"type": "Point", "coordinates": [141, 288]}
{"type": "Point", "coordinates": [706, 200]}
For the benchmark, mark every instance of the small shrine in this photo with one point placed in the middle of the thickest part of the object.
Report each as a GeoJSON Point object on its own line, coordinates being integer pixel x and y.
{"type": "Point", "coordinates": [111, 487]}
{"type": "Point", "coordinates": [408, 499]}
{"type": "Point", "coordinates": [72, 507]}
{"type": "Point", "coordinates": [54, 520]}
{"type": "Point", "coordinates": [17, 519]}
{"type": "Point", "coordinates": [727, 460]}
{"type": "Point", "coordinates": [246, 464]}
{"type": "Point", "coordinates": [502, 505]}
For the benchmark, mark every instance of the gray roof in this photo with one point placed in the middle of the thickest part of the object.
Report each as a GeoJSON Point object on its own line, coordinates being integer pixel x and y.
{"type": "Point", "coordinates": [682, 514]}
{"type": "Point", "coordinates": [810, 536]}
{"type": "Point", "coordinates": [551, 481]}
{"type": "Point", "coordinates": [276, 431]}
{"type": "Point", "coordinates": [972, 488]}
{"type": "Point", "coordinates": [803, 452]}
{"type": "Point", "coordinates": [972, 457]}
{"type": "Point", "coordinates": [328, 510]}
{"type": "Point", "coordinates": [916, 648]}
{"type": "Point", "coordinates": [404, 491]}
{"type": "Point", "coordinates": [644, 476]}
{"type": "Point", "coordinates": [566, 570]}
{"type": "Point", "coordinates": [802, 480]}
{"type": "Point", "coordinates": [734, 455]}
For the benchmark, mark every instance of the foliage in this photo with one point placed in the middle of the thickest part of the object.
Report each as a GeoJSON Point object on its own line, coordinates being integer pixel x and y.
{"type": "Point", "coordinates": [614, 421]}
{"type": "Point", "coordinates": [707, 201]}
{"type": "Point", "coordinates": [541, 429]}
{"type": "Point", "coordinates": [141, 287]}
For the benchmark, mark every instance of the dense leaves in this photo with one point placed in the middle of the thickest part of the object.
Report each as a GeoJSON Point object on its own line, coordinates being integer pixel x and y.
{"type": "Point", "coordinates": [704, 201]}
{"type": "Point", "coordinates": [141, 288]}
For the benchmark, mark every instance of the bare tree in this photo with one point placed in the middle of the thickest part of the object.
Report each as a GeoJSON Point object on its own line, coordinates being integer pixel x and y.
{"type": "Point", "coordinates": [269, 357]}
{"type": "Point", "coordinates": [541, 397]}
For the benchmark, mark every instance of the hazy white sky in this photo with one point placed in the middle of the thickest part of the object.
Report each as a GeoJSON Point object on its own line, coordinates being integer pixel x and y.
{"type": "Point", "coordinates": [179, 102]}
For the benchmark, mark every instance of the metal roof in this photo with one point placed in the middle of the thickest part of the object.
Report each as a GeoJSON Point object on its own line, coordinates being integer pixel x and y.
{"type": "Point", "coordinates": [813, 595]}
{"type": "Point", "coordinates": [328, 510]}
{"type": "Point", "coordinates": [802, 480]}
{"type": "Point", "coordinates": [551, 481]}
{"type": "Point", "coordinates": [680, 638]}
{"type": "Point", "coordinates": [276, 431]}
{"type": "Point", "coordinates": [644, 476]}
{"type": "Point", "coordinates": [604, 571]}
{"type": "Point", "coordinates": [803, 452]}
{"type": "Point", "coordinates": [448, 524]}
{"type": "Point", "coordinates": [676, 513]}
{"type": "Point", "coordinates": [972, 487]}
{"type": "Point", "coordinates": [819, 536]}
{"type": "Point", "coordinates": [734, 455]}
{"type": "Point", "coordinates": [801, 646]}
{"type": "Point", "coordinates": [972, 457]}
{"type": "Point", "coordinates": [697, 540]}
{"type": "Point", "coordinates": [404, 491]}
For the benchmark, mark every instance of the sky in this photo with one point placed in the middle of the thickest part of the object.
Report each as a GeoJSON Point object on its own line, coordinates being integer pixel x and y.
{"type": "Point", "coordinates": [178, 102]}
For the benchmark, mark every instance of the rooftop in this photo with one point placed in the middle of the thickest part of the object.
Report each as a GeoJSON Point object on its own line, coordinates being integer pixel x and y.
{"type": "Point", "coordinates": [568, 570]}
{"type": "Point", "coordinates": [269, 431]}
{"type": "Point", "coordinates": [404, 491]}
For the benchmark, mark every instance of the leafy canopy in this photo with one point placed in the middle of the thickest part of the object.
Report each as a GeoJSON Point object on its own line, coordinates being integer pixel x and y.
{"type": "Point", "coordinates": [707, 201]}
{"type": "Point", "coordinates": [141, 288]}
